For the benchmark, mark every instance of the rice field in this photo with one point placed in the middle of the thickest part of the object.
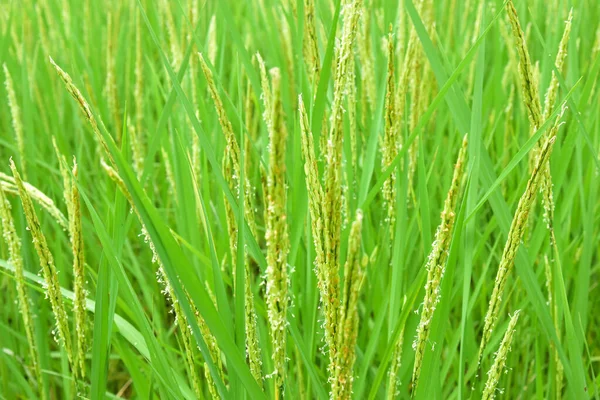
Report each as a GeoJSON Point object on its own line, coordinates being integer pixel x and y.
{"type": "Point", "coordinates": [310, 199]}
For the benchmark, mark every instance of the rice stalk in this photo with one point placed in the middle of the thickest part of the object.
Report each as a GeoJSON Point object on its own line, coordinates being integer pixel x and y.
{"type": "Point", "coordinates": [515, 236]}
{"type": "Point", "coordinates": [52, 285]}
{"type": "Point", "coordinates": [495, 373]}
{"type": "Point", "coordinates": [559, 374]}
{"type": "Point", "coordinates": [436, 262]}
{"type": "Point", "coordinates": [14, 252]}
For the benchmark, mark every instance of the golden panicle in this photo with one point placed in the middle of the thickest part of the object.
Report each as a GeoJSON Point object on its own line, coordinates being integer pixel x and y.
{"type": "Point", "coordinates": [531, 95]}
{"type": "Point", "coordinates": [559, 63]}
{"type": "Point", "coordinates": [15, 112]}
{"type": "Point", "coordinates": [354, 276]}
{"type": "Point", "coordinates": [276, 235]}
{"type": "Point", "coordinates": [495, 373]}
{"type": "Point", "coordinates": [436, 262]}
{"type": "Point", "coordinates": [50, 274]}
{"type": "Point", "coordinates": [14, 252]}
{"type": "Point", "coordinates": [85, 108]}
{"type": "Point", "coordinates": [515, 236]}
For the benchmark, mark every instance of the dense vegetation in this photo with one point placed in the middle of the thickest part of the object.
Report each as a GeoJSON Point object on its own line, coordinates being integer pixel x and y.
{"type": "Point", "coordinates": [300, 199]}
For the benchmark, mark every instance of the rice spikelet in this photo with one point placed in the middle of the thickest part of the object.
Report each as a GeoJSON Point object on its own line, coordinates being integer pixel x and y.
{"type": "Point", "coordinates": [79, 310]}
{"type": "Point", "coordinates": [391, 139]}
{"type": "Point", "coordinates": [436, 262]}
{"type": "Point", "coordinates": [50, 274]}
{"type": "Point", "coordinates": [497, 369]}
{"type": "Point", "coordinates": [552, 91]}
{"type": "Point", "coordinates": [15, 112]}
{"type": "Point", "coordinates": [515, 235]}
{"type": "Point", "coordinates": [354, 276]}
{"type": "Point", "coordinates": [276, 235]}
{"type": "Point", "coordinates": [310, 44]}
{"type": "Point", "coordinates": [332, 191]}
{"type": "Point", "coordinates": [85, 108]}
{"type": "Point", "coordinates": [531, 95]}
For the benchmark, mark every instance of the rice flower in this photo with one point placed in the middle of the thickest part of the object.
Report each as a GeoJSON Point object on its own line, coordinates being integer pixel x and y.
{"type": "Point", "coordinates": [79, 309]}
{"type": "Point", "coordinates": [310, 44]}
{"type": "Point", "coordinates": [276, 235]}
{"type": "Point", "coordinates": [354, 276]}
{"type": "Point", "coordinates": [530, 90]}
{"type": "Point", "coordinates": [50, 274]}
{"type": "Point", "coordinates": [559, 63]}
{"type": "Point", "coordinates": [515, 235]}
{"type": "Point", "coordinates": [391, 138]}
{"type": "Point", "coordinates": [332, 192]}
{"type": "Point", "coordinates": [436, 262]}
{"type": "Point", "coordinates": [494, 374]}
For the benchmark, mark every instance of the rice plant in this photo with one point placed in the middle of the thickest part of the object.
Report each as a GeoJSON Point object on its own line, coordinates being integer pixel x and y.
{"type": "Point", "coordinates": [312, 199]}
